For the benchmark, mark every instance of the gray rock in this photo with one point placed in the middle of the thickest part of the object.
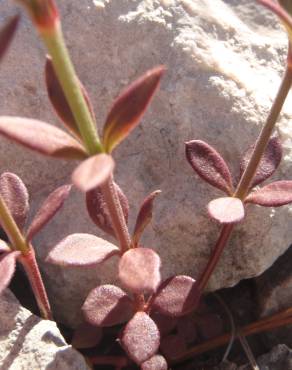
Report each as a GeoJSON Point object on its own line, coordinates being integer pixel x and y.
{"type": "Point", "coordinates": [279, 358]}
{"type": "Point", "coordinates": [274, 289]}
{"type": "Point", "coordinates": [28, 342]}
{"type": "Point", "coordinates": [224, 64]}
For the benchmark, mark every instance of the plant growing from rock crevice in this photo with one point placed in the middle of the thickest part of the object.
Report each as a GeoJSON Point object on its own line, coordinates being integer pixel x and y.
{"type": "Point", "coordinates": [144, 296]}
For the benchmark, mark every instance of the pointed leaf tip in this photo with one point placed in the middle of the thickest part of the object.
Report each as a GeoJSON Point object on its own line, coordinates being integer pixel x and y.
{"type": "Point", "coordinates": [129, 108]}
{"type": "Point", "coordinates": [98, 210]}
{"type": "Point", "coordinates": [82, 250]}
{"type": "Point", "coordinates": [59, 101]}
{"type": "Point", "coordinates": [276, 194]}
{"type": "Point", "coordinates": [209, 165]}
{"type": "Point", "coordinates": [140, 338]}
{"type": "Point", "coordinates": [107, 305]}
{"type": "Point", "coordinates": [41, 137]}
{"type": "Point", "coordinates": [226, 210]}
{"type": "Point", "coordinates": [93, 172]}
{"type": "Point", "coordinates": [139, 270]}
{"type": "Point", "coordinates": [48, 210]}
{"type": "Point", "coordinates": [7, 33]}
{"type": "Point", "coordinates": [144, 216]}
{"type": "Point", "coordinates": [269, 161]}
{"type": "Point", "coordinates": [15, 196]}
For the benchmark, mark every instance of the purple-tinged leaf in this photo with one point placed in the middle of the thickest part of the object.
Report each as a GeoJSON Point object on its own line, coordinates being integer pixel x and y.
{"type": "Point", "coordinates": [6, 34]}
{"type": "Point", "coordinates": [177, 296]}
{"type": "Point", "coordinates": [226, 210]}
{"type": "Point", "coordinates": [4, 247]}
{"type": "Point", "coordinates": [281, 12]}
{"type": "Point", "coordinates": [172, 346]}
{"type": "Point", "coordinates": [15, 196]}
{"type": "Point", "coordinates": [139, 270]}
{"type": "Point", "coordinates": [210, 326]}
{"type": "Point", "coordinates": [164, 323]}
{"type": "Point", "coordinates": [7, 268]}
{"type": "Point", "coordinates": [156, 362]}
{"type": "Point", "coordinates": [98, 210]}
{"type": "Point", "coordinates": [209, 165]}
{"type": "Point", "coordinates": [140, 338]}
{"type": "Point", "coordinates": [276, 194]}
{"type": "Point", "coordinates": [107, 305]}
{"type": "Point", "coordinates": [129, 108]}
{"type": "Point", "coordinates": [187, 329]}
{"type": "Point", "coordinates": [41, 137]}
{"type": "Point", "coordinates": [59, 101]}
{"type": "Point", "coordinates": [86, 336]}
{"type": "Point", "coordinates": [144, 216]}
{"type": "Point", "coordinates": [93, 172]}
{"type": "Point", "coordinates": [48, 210]}
{"type": "Point", "coordinates": [82, 250]}
{"type": "Point", "coordinates": [269, 161]}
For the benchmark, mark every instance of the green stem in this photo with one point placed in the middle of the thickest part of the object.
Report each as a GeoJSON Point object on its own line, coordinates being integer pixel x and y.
{"type": "Point", "coordinates": [64, 69]}
{"type": "Point", "coordinates": [263, 139]}
{"type": "Point", "coordinates": [10, 227]}
{"type": "Point", "coordinates": [27, 259]}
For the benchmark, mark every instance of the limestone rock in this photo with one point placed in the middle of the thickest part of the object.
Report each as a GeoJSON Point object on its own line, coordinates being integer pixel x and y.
{"type": "Point", "coordinates": [28, 342]}
{"type": "Point", "coordinates": [224, 64]}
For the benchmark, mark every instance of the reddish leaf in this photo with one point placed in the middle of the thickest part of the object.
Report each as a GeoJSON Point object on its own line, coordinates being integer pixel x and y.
{"type": "Point", "coordinates": [226, 210]}
{"type": "Point", "coordinates": [48, 210]}
{"type": "Point", "coordinates": [59, 101]}
{"type": "Point", "coordinates": [129, 108]}
{"type": "Point", "coordinates": [164, 323]}
{"type": "Point", "coordinates": [4, 247]}
{"type": "Point", "coordinates": [107, 305]}
{"type": "Point", "coordinates": [7, 268]}
{"type": "Point", "coordinates": [144, 216]}
{"type": "Point", "coordinates": [276, 194]}
{"type": "Point", "coordinates": [16, 197]}
{"type": "Point", "coordinates": [93, 172]}
{"type": "Point", "coordinates": [139, 270]}
{"type": "Point", "coordinates": [6, 34]}
{"type": "Point", "coordinates": [86, 336]}
{"type": "Point", "coordinates": [41, 137]}
{"type": "Point", "coordinates": [177, 296]}
{"type": "Point", "coordinates": [210, 326]}
{"type": "Point", "coordinates": [209, 165]}
{"type": "Point", "coordinates": [140, 338]}
{"type": "Point", "coordinates": [187, 329]}
{"type": "Point", "coordinates": [98, 210]}
{"type": "Point", "coordinates": [82, 250]}
{"type": "Point", "coordinates": [156, 362]}
{"type": "Point", "coordinates": [269, 162]}
{"type": "Point", "coordinates": [172, 346]}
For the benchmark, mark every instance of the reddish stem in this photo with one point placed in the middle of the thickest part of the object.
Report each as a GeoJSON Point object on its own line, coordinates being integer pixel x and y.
{"type": "Point", "coordinates": [117, 361]}
{"type": "Point", "coordinates": [215, 256]}
{"type": "Point", "coordinates": [31, 268]}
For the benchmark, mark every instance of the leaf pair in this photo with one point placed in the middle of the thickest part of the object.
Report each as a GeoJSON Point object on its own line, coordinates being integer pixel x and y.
{"type": "Point", "coordinates": [210, 166]}
{"type": "Point", "coordinates": [15, 195]}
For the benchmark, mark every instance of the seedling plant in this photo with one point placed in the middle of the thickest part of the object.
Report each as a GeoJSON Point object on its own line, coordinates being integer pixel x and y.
{"type": "Point", "coordinates": [152, 316]}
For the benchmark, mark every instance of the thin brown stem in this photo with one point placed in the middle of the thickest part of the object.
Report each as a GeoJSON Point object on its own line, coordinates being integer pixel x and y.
{"type": "Point", "coordinates": [30, 265]}
{"type": "Point", "coordinates": [266, 132]}
{"type": "Point", "coordinates": [275, 321]}
{"type": "Point", "coordinates": [215, 256]}
{"type": "Point", "coordinates": [116, 213]}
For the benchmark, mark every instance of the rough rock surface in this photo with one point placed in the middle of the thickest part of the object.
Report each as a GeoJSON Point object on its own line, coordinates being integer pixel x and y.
{"type": "Point", "coordinates": [274, 289]}
{"type": "Point", "coordinates": [28, 342]}
{"type": "Point", "coordinates": [224, 64]}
